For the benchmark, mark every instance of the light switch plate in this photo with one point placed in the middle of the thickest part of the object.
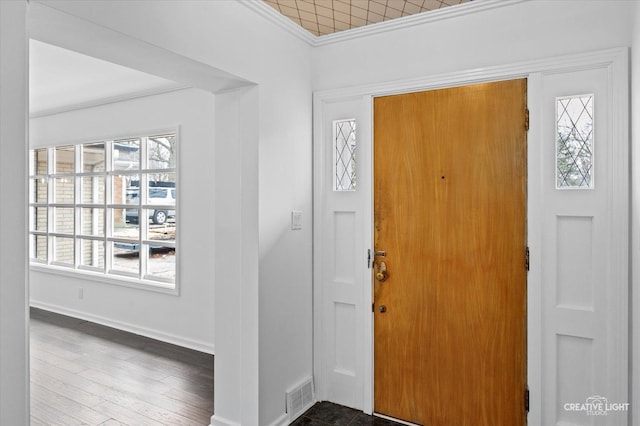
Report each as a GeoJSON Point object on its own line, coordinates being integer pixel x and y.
{"type": "Point", "coordinates": [296, 220]}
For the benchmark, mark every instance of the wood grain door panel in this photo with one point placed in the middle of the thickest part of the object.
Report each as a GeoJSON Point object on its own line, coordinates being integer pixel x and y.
{"type": "Point", "coordinates": [450, 213]}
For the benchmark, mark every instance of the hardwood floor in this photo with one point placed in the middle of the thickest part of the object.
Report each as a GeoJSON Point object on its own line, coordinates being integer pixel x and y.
{"type": "Point", "coordinates": [87, 374]}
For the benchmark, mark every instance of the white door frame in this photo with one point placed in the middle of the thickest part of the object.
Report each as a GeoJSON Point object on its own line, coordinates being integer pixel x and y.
{"type": "Point", "coordinates": [616, 61]}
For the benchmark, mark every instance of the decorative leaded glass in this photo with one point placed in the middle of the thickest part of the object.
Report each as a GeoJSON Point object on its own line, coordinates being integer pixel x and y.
{"type": "Point", "coordinates": [345, 155]}
{"type": "Point", "coordinates": [574, 142]}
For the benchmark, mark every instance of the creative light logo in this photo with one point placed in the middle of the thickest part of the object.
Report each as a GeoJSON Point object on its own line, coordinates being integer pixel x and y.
{"type": "Point", "coordinates": [596, 405]}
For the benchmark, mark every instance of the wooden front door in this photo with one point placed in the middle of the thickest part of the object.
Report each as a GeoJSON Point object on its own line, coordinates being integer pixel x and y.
{"type": "Point", "coordinates": [450, 217]}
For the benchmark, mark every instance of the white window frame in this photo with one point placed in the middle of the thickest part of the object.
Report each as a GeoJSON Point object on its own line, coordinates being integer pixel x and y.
{"type": "Point", "coordinates": [106, 273]}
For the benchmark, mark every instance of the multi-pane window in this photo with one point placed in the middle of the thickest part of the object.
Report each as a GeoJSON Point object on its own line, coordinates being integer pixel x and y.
{"type": "Point", "coordinates": [107, 207]}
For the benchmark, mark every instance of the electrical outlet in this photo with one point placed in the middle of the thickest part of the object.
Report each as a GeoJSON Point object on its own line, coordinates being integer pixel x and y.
{"type": "Point", "coordinates": [80, 293]}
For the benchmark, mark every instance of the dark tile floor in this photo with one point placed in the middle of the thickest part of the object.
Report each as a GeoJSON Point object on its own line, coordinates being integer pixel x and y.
{"type": "Point", "coordinates": [326, 413]}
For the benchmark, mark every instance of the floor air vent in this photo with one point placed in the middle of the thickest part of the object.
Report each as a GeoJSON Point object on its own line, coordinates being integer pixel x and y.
{"type": "Point", "coordinates": [299, 399]}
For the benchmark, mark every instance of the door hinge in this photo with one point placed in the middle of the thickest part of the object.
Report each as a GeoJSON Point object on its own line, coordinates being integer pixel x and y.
{"type": "Point", "coordinates": [527, 258]}
{"type": "Point", "coordinates": [526, 399]}
{"type": "Point", "coordinates": [526, 119]}
{"type": "Point", "coordinates": [369, 258]}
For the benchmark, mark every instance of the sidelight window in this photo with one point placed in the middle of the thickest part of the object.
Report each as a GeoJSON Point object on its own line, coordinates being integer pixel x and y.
{"type": "Point", "coordinates": [574, 142]}
{"type": "Point", "coordinates": [344, 141]}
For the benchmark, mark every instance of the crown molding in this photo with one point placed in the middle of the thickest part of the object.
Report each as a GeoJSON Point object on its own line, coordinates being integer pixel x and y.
{"type": "Point", "coordinates": [449, 12]}
{"type": "Point", "coordinates": [287, 24]}
{"type": "Point", "coordinates": [108, 100]}
{"type": "Point", "coordinates": [266, 11]}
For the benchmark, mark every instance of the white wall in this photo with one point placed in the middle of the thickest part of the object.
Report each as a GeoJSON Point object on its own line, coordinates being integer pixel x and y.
{"type": "Point", "coordinates": [469, 44]}
{"type": "Point", "coordinates": [225, 35]}
{"type": "Point", "coordinates": [233, 38]}
{"type": "Point", "coordinates": [236, 309]}
{"type": "Point", "coordinates": [14, 358]}
{"type": "Point", "coordinates": [174, 318]}
{"type": "Point", "coordinates": [514, 33]}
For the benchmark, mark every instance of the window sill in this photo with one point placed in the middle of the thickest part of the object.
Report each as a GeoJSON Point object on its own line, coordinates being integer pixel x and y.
{"type": "Point", "coordinates": [148, 285]}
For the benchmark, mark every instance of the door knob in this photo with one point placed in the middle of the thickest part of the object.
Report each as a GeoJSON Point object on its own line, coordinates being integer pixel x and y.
{"type": "Point", "coordinates": [382, 309]}
{"type": "Point", "coordinates": [381, 271]}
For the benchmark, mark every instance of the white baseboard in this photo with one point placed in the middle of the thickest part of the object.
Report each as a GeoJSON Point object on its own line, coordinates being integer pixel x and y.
{"type": "Point", "coordinates": [131, 328]}
{"type": "Point", "coordinates": [283, 420]}
{"type": "Point", "coordinates": [220, 421]}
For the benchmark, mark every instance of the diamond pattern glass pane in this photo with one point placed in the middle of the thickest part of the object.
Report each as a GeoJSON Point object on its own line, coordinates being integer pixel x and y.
{"type": "Point", "coordinates": [345, 155]}
{"type": "Point", "coordinates": [574, 142]}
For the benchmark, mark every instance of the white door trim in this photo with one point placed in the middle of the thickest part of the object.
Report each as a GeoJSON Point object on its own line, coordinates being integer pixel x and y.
{"type": "Point", "coordinates": [616, 61]}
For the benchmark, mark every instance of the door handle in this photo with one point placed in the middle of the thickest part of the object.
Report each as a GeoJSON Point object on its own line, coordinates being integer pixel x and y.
{"type": "Point", "coordinates": [381, 271]}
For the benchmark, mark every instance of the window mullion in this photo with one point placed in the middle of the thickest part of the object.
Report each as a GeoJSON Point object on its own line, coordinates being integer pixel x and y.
{"type": "Point", "coordinates": [77, 211]}
{"type": "Point", "coordinates": [50, 216]}
{"type": "Point", "coordinates": [143, 216]}
{"type": "Point", "coordinates": [143, 152]}
{"type": "Point", "coordinates": [108, 212]}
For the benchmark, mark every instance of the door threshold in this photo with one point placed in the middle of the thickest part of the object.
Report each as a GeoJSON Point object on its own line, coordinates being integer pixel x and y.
{"type": "Point", "coordinates": [393, 419]}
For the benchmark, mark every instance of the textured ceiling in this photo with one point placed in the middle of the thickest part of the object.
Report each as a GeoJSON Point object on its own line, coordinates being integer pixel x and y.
{"type": "Point", "coordinates": [321, 17]}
